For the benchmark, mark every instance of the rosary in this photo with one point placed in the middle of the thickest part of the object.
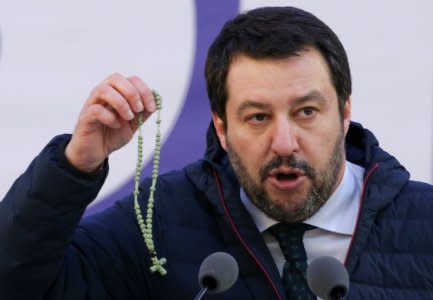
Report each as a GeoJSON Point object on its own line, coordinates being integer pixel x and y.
{"type": "Point", "coordinates": [146, 224]}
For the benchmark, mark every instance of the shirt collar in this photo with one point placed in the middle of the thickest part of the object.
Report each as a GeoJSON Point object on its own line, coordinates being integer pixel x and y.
{"type": "Point", "coordinates": [338, 214]}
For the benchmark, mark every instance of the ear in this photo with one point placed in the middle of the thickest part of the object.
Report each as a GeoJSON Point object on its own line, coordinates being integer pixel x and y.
{"type": "Point", "coordinates": [220, 130]}
{"type": "Point", "coordinates": [347, 114]}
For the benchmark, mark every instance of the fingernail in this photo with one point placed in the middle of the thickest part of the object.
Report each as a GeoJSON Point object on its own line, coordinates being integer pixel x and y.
{"type": "Point", "coordinates": [152, 106]}
{"type": "Point", "coordinates": [130, 115]}
{"type": "Point", "coordinates": [139, 105]}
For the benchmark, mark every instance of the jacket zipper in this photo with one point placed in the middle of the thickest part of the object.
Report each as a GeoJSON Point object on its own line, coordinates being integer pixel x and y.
{"type": "Point", "coordinates": [364, 188]}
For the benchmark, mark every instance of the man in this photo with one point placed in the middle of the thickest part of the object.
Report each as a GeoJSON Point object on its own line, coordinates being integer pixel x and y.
{"type": "Point", "coordinates": [282, 152]}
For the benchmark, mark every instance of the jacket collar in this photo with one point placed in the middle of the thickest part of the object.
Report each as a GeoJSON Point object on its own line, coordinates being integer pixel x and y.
{"type": "Point", "coordinates": [384, 178]}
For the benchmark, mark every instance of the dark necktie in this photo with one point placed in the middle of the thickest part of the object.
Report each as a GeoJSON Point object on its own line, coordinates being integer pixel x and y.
{"type": "Point", "coordinates": [294, 272]}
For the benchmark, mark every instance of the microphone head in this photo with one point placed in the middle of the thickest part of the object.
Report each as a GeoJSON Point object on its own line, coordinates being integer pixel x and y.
{"type": "Point", "coordinates": [218, 272]}
{"type": "Point", "coordinates": [328, 278]}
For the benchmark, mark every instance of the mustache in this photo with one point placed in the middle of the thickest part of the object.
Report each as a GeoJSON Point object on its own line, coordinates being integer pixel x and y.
{"type": "Point", "coordinates": [289, 161]}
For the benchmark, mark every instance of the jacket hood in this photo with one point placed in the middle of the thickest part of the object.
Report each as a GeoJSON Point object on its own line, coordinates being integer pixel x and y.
{"type": "Point", "coordinates": [362, 148]}
{"type": "Point", "coordinates": [214, 151]}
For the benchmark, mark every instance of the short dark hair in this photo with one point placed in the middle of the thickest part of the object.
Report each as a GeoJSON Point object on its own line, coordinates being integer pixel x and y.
{"type": "Point", "coordinates": [273, 32]}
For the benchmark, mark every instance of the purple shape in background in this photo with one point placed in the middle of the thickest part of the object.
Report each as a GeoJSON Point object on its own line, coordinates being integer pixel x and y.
{"type": "Point", "coordinates": [187, 140]}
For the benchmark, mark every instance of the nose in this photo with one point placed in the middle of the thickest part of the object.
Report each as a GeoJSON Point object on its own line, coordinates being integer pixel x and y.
{"type": "Point", "coordinates": [284, 139]}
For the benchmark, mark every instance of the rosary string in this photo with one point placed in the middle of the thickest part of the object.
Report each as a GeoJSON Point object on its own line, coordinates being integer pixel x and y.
{"type": "Point", "coordinates": [146, 225]}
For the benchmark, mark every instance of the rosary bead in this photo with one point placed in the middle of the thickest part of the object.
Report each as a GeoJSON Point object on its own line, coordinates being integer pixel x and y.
{"type": "Point", "coordinates": [146, 226]}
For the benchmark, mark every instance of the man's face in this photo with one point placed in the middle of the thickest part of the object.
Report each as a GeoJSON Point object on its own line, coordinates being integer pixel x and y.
{"type": "Point", "coordinates": [284, 133]}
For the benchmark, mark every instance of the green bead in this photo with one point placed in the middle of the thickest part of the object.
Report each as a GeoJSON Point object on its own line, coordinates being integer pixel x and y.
{"type": "Point", "coordinates": [146, 227]}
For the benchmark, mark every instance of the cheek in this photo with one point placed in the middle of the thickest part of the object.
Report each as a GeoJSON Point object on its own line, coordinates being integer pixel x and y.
{"type": "Point", "coordinates": [251, 151]}
{"type": "Point", "coordinates": [318, 147]}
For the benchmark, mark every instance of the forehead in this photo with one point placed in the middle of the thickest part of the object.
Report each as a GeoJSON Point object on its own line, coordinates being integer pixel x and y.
{"type": "Point", "coordinates": [293, 76]}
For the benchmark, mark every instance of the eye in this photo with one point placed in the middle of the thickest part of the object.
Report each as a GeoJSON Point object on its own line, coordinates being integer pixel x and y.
{"type": "Point", "coordinates": [307, 112]}
{"type": "Point", "coordinates": [257, 118]}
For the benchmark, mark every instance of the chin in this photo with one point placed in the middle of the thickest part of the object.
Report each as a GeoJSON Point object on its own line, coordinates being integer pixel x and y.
{"type": "Point", "coordinates": [295, 196]}
{"type": "Point", "coordinates": [292, 208]}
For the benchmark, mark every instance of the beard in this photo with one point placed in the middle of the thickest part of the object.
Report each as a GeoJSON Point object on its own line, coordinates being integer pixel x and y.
{"type": "Point", "coordinates": [323, 183]}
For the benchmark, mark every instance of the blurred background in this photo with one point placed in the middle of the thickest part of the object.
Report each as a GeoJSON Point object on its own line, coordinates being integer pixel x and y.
{"type": "Point", "coordinates": [53, 53]}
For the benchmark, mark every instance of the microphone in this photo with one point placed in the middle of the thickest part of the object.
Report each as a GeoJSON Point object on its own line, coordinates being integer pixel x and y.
{"type": "Point", "coordinates": [217, 273]}
{"type": "Point", "coordinates": [328, 278]}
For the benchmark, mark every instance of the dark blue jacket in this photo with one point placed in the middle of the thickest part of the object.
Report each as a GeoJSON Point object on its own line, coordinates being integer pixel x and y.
{"type": "Point", "coordinates": [46, 252]}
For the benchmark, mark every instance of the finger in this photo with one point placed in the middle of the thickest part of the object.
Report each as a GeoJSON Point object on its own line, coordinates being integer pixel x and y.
{"type": "Point", "coordinates": [134, 123]}
{"type": "Point", "coordinates": [108, 96]}
{"type": "Point", "coordinates": [97, 113]}
{"type": "Point", "coordinates": [145, 93]}
{"type": "Point", "coordinates": [127, 90]}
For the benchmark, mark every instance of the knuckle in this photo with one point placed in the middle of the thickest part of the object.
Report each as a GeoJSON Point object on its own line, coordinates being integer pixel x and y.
{"type": "Point", "coordinates": [134, 78]}
{"type": "Point", "coordinates": [138, 83]}
{"type": "Point", "coordinates": [115, 76]}
{"type": "Point", "coordinates": [131, 93]}
{"type": "Point", "coordinates": [107, 93]}
{"type": "Point", "coordinates": [94, 110]}
{"type": "Point", "coordinates": [147, 93]}
{"type": "Point", "coordinates": [100, 91]}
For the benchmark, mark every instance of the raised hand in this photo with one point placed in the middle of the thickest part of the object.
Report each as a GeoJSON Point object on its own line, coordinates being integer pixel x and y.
{"type": "Point", "coordinates": [107, 121]}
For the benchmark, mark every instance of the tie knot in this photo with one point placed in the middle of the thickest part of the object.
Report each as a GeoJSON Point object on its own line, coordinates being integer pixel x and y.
{"type": "Point", "coordinates": [289, 230]}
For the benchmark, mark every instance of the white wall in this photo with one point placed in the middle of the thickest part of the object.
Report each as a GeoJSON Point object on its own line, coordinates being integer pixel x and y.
{"type": "Point", "coordinates": [390, 49]}
{"type": "Point", "coordinates": [54, 52]}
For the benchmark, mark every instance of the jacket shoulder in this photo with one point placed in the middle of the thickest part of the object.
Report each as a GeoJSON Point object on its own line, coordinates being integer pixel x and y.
{"type": "Point", "coordinates": [415, 201]}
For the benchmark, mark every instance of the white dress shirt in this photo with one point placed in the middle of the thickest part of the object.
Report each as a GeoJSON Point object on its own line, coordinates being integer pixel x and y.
{"type": "Point", "coordinates": [335, 221]}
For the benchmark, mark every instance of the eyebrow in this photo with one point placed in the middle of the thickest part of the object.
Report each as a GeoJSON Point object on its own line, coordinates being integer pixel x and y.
{"type": "Point", "coordinates": [252, 104]}
{"type": "Point", "coordinates": [314, 95]}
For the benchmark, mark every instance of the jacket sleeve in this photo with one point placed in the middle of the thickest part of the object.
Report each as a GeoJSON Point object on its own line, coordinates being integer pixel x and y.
{"type": "Point", "coordinates": [44, 252]}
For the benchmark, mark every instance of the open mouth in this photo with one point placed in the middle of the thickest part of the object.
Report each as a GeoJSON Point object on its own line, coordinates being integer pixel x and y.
{"type": "Point", "coordinates": [286, 179]}
{"type": "Point", "coordinates": [286, 176]}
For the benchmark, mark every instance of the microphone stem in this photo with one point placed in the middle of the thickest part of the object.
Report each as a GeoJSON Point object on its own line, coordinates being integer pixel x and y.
{"type": "Point", "coordinates": [201, 294]}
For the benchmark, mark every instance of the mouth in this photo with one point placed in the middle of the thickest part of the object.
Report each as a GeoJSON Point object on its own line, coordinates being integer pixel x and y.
{"type": "Point", "coordinates": [286, 179]}
{"type": "Point", "coordinates": [286, 176]}
{"type": "Point", "coordinates": [286, 173]}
